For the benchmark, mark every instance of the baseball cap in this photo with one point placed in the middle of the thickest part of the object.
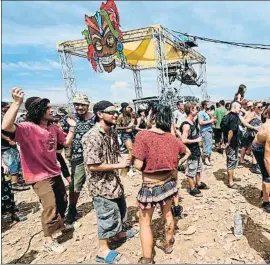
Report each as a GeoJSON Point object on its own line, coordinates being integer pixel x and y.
{"type": "Point", "coordinates": [102, 105]}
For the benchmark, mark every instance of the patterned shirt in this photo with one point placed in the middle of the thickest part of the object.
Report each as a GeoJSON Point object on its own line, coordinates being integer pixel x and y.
{"type": "Point", "coordinates": [98, 147]}
{"type": "Point", "coordinates": [83, 126]}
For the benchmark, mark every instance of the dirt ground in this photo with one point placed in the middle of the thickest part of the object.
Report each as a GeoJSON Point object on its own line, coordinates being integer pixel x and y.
{"type": "Point", "coordinates": [203, 235]}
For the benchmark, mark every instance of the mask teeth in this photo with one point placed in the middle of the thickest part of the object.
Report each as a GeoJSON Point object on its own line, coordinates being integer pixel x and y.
{"type": "Point", "coordinates": [100, 67]}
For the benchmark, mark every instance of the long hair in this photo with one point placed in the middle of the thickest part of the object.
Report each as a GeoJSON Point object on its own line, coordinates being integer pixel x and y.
{"type": "Point", "coordinates": [164, 118]}
{"type": "Point", "coordinates": [37, 110]}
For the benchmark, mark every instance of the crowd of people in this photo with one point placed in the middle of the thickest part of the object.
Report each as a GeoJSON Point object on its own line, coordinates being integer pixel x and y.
{"type": "Point", "coordinates": [108, 144]}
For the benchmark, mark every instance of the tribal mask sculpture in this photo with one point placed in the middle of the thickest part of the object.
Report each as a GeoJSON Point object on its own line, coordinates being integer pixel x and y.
{"type": "Point", "coordinates": [104, 38]}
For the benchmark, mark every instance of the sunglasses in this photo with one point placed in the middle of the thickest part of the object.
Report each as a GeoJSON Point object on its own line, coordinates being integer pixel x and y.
{"type": "Point", "coordinates": [110, 112]}
{"type": "Point", "coordinates": [259, 107]}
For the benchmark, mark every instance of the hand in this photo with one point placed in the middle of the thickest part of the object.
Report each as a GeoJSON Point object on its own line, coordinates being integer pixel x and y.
{"type": "Point", "coordinates": [71, 122]}
{"type": "Point", "coordinates": [11, 142]}
{"type": "Point", "coordinates": [199, 139]}
{"type": "Point", "coordinates": [68, 179]}
{"type": "Point", "coordinates": [17, 95]}
{"type": "Point", "coordinates": [125, 162]}
{"type": "Point", "coordinates": [5, 168]}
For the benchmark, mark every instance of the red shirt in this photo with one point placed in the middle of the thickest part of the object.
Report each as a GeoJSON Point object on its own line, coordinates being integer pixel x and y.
{"type": "Point", "coordinates": [159, 152]}
{"type": "Point", "coordinates": [38, 150]}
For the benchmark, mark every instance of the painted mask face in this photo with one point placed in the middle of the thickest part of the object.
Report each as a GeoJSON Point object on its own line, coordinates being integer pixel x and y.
{"type": "Point", "coordinates": [103, 41]}
{"type": "Point", "coordinates": [104, 38]}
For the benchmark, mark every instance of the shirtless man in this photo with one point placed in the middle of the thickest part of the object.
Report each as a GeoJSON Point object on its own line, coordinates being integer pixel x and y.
{"type": "Point", "coordinates": [261, 151]}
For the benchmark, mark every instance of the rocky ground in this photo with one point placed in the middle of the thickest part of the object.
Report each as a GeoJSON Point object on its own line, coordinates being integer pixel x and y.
{"type": "Point", "coordinates": [203, 235]}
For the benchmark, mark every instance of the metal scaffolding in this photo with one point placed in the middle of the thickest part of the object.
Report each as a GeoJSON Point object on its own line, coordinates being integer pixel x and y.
{"type": "Point", "coordinates": [161, 36]}
{"type": "Point", "coordinates": [68, 74]}
{"type": "Point", "coordinates": [137, 83]}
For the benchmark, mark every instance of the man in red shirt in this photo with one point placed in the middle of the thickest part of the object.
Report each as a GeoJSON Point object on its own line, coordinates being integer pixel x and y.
{"type": "Point", "coordinates": [38, 139]}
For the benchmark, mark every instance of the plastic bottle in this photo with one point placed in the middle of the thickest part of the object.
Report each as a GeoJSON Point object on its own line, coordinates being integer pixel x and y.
{"type": "Point", "coordinates": [238, 225]}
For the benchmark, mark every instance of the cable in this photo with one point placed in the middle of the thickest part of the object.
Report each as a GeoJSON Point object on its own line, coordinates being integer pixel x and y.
{"type": "Point", "coordinates": [29, 243]}
{"type": "Point", "coordinates": [239, 44]}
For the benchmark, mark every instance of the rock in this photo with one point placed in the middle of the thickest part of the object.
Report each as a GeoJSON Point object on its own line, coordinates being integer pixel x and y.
{"type": "Point", "coordinates": [80, 260]}
{"type": "Point", "coordinates": [202, 251]}
{"type": "Point", "coordinates": [77, 225]}
{"type": "Point", "coordinates": [15, 240]}
{"type": "Point", "coordinates": [190, 231]}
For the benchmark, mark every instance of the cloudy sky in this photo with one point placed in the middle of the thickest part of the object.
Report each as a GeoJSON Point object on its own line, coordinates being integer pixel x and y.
{"type": "Point", "coordinates": [30, 31]}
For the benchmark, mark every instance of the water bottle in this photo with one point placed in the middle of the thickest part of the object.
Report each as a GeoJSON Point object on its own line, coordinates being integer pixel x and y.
{"type": "Point", "coordinates": [238, 225]}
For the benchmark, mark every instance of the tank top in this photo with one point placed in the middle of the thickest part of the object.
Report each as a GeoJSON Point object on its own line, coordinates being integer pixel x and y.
{"type": "Point", "coordinates": [194, 134]}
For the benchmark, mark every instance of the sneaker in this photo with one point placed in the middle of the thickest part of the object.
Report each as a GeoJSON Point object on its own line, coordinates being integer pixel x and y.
{"type": "Point", "coordinates": [71, 215]}
{"type": "Point", "coordinates": [19, 187]}
{"type": "Point", "coordinates": [266, 206]}
{"type": "Point", "coordinates": [196, 193]}
{"type": "Point", "coordinates": [67, 227]}
{"type": "Point", "coordinates": [177, 211]}
{"type": "Point", "coordinates": [255, 169]}
{"type": "Point", "coordinates": [203, 186]}
{"type": "Point", "coordinates": [54, 247]}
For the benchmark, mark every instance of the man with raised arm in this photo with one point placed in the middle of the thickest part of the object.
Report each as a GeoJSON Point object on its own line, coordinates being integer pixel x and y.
{"type": "Point", "coordinates": [38, 139]}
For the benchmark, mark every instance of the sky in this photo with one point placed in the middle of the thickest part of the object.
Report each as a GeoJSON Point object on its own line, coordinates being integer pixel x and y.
{"type": "Point", "coordinates": [31, 29]}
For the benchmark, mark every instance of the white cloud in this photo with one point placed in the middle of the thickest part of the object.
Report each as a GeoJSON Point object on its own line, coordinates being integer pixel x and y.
{"type": "Point", "coordinates": [17, 34]}
{"type": "Point", "coordinates": [121, 91]}
{"type": "Point", "coordinates": [48, 65]}
{"type": "Point", "coordinates": [24, 74]}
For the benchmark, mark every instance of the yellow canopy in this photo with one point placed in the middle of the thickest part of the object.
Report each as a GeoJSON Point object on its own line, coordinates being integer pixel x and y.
{"type": "Point", "coordinates": [142, 53]}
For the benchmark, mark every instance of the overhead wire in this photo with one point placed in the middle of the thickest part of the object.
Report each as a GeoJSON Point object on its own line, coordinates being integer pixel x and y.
{"type": "Point", "coordinates": [239, 44]}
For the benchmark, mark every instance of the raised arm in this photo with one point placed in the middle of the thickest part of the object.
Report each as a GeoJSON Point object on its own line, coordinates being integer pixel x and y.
{"type": "Point", "coordinates": [71, 132]}
{"type": "Point", "coordinates": [10, 116]}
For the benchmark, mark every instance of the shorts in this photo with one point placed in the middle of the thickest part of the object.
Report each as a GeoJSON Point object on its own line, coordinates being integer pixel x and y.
{"type": "Point", "coordinates": [149, 197]}
{"type": "Point", "coordinates": [78, 176]}
{"type": "Point", "coordinates": [258, 152]}
{"type": "Point", "coordinates": [207, 139]}
{"type": "Point", "coordinates": [232, 157]}
{"type": "Point", "coordinates": [110, 215]}
{"type": "Point", "coordinates": [194, 166]}
{"type": "Point", "coordinates": [127, 136]}
{"type": "Point", "coordinates": [12, 160]}
{"type": "Point", "coordinates": [217, 135]}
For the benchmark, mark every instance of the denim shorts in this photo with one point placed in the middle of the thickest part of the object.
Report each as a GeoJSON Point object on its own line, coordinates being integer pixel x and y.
{"type": "Point", "coordinates": [12, 160]}
{"type": "Point", "coordinates": [126, 136]}
{"type": "Point", "coordinates": [110, 215]}
{"type": "Point", "coordinates": [193, 167]}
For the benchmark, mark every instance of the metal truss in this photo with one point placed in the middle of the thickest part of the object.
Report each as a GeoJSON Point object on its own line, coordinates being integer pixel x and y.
{"type": "Point", "coordinates": [138, 84]}
{"type": "Point", "coordinates": [161, 37]}
{"type": "Point", "coordinates": [68, 74]}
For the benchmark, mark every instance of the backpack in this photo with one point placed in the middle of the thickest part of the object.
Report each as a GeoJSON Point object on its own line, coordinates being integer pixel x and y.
{"type": "Point", "coordinates": [224, 125]}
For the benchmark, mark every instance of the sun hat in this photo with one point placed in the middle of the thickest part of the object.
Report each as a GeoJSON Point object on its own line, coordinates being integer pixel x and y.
{"type": "Point", "coordinates": [81, 99]}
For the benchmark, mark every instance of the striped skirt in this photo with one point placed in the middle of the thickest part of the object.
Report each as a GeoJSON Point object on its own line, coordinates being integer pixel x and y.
{"type": "Point", "coordinates": [149, 197]}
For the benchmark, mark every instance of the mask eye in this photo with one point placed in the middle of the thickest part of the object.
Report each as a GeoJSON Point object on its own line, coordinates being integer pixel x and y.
{"type": "Point", "coordinates": [98, 46]}
{"type": "Point", "coordinates": [110, 41]}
